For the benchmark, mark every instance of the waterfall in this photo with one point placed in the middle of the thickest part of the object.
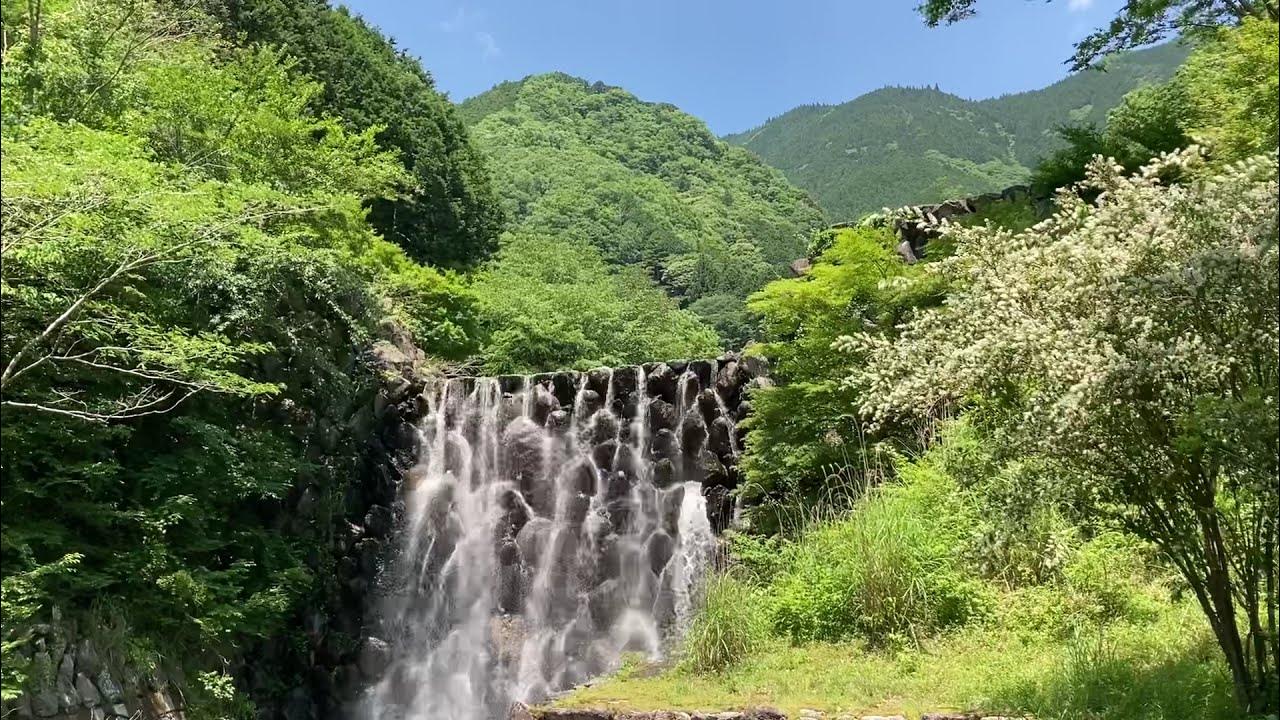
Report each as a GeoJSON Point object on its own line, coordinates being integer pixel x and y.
{"type": "Point", "coordinates": [550, 526]}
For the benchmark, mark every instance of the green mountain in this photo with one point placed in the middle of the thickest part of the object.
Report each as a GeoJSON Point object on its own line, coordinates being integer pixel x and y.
{"type": "Point", "coordinates": [898, 146]}
{"type": "Point", "coordinates": [641, 185]}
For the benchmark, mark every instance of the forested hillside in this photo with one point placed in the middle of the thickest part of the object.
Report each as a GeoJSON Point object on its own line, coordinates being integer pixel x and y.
{"type": "Point", "coordinates": [640, 185]}
{"type": "Point", "coordinates": [899, 146]}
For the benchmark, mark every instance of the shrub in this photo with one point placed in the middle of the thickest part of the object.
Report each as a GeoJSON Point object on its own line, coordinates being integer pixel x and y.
{"type": "Point", "coordinates": [887, 571]}
{"type": "Point", "coordinates": [728, 628]}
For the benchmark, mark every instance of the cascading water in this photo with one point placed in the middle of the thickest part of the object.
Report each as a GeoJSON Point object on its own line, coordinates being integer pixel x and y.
{"type": "Point", "coordinates": [541, 543]}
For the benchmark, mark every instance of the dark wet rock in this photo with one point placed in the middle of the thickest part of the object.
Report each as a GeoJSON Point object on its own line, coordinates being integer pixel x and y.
{"type": "Point", "coordinates": [690, 388]}
{"type": "Point", "coordinates": [558, 420]}
{"type": "Point", "coordinates": [544, 403]}
{"type": "Point", "coordinates": [625, 460]}
{"type": "Point", "coordinates": [618, 486]}
{"type": "Point", "coordinates": [370, 552]}
{"type": "Point", "coordinates": [508, 553]}
{"type": "Point", "coordinates": [729, 379]}
{"type": "Point", "coordinates": [604, 426]}
{"type": "Point", "coordinates": [522, 442]}
{"type": "Point", "coordinates": [579, 476]}
{"type": "Point", "coordinates": [564, 386]}
{"type": "Point", "coordinates": [533, 539]}
{"type": "Point", "coordinates": [619, 513]}
{"type": "Point", "coordinates": [662, 383]}
{"type": "Point", "coordinates": [692, 433]}
{"type": "Point", "coordinates": [719, 507]}
{"type": "Point", "coordinates": [605, 602]}
{"type": "Point", "coordinates": [511, 384]}
{"type": "Point", "coordinates": [664, 473]}
{"type": "Point", "coordinates": [379, 521]}
{"type": "Point", "coordinates": [604, 453]}
{"type": "Point", "coordinates": [626, 381]}
{"type": "Point", "coordinates": [704, 370]}
{"type": "Point", "coordinates": [659, 549]}
{"type": "Point", "coordinates": [662, 415]}
{"type": "Point", "coordinates": [713, 471]}
{"type": "Point", "coordinates": [510, 588]}
{"type": "Point", "coordinates": [373, 656]}
{"type": "Point", "coordinates": [598, 380]}
{"type": "Point", "coordinates": [608, 558]}
{"type": "Point", "coordinates": [672, 502]}
{"type": "Point", "coordinates": [665, 444]}
{"type": "Point", "coordinates": [708, 404]}
{"type": "Point", "coordinates": [575, 509]}
{"type": "Point", "coordinates": [589, 402]}
{"type": "Point", "coordinates": [742, 411]}
{"type": "Point", "coordinates": [719, 434]}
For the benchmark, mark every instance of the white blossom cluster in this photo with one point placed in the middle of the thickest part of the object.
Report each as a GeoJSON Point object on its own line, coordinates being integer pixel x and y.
{"type": "Point", "coordinates": [1109, 326]}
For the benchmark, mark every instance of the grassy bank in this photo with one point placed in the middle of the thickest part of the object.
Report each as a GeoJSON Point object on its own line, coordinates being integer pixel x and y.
{"type": "Point", "coordinates": [934, 592]}
{"type": "Point", "coordinates": [1159, 670]}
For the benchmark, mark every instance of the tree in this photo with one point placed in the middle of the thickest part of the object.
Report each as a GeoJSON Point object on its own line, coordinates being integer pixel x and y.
{"type": "Point", "coordinates": [1140, 22]}
{"type": "Point", "coordinates": [547, 303]}
{"type": "Point", "coordinates": [448, 215]}
{"type": "Point", "coordinates": [1130, 346]}
{"type": "Point", "coordinates": [804, 429]}
{"type": "Point", "coordinates": [1225, 93]}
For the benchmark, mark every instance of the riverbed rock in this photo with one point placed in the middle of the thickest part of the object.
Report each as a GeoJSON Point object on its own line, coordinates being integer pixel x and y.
{"type": "Point", "coordinates": [373, 657]}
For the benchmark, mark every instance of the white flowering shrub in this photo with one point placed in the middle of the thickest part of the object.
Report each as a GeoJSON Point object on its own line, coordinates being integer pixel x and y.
{"type": "Point", "coordinates": [1131, 344]}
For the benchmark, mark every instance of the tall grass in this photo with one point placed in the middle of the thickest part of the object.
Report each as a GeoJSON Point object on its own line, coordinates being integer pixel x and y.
{"type": "Point", "coordinates": [729, 628]}
{"type": "Point", "coordinates": [889, 570]}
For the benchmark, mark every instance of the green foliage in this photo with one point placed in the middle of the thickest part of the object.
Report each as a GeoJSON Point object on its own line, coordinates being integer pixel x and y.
{"type": "Point", "coordinates": [644, 184]}
{"type": "Point", "coordinates": [188, 283]}
{"type": "Point", "coordinates": [1127, 349]}
{"type": "Point", "coordinates": [889, 570]}
{"type": "Point", "coordinates": [448, 214]}
{"type": "Point", "coordinates": [729, 626]}
{"type": "Point", "coordinates": [1223, 94]}
{"type": "Point", "coordinates": [548, 303]}
{"type": "Point", "coordinates": [1234, 84]}
{"type": "Point", "coordinates": [900, 146]}
{"type": "Point", "coordinates": [801, 431]}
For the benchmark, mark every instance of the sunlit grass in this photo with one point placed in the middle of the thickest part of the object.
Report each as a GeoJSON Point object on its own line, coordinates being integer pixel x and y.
{"type": "Point", "coordinates": [1165, 669]}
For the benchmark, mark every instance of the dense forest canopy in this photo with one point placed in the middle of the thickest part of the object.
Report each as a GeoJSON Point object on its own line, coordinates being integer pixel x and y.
{"type": "Point", "coordinates": [446, 214]}
{"type": "Point", "coordinates": [898, 146]}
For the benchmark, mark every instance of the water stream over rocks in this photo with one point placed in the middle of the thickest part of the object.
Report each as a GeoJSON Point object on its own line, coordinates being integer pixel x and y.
{"type": "Point", "coordinates": [550, 525]}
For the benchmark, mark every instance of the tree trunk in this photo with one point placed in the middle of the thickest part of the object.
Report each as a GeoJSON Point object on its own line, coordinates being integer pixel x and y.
{"type": "Point", "coordinates": [1222, 610]}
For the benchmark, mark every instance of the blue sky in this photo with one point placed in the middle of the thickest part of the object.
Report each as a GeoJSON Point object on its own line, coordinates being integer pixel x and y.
{"type": "Point", "coordinates": [736, 63]}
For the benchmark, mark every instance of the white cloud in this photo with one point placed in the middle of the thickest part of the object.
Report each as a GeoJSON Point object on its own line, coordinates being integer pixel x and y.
{"type": "Point", "coordinates": [459, 21]}
{"type": "Point", "coordinates": [488, 46]}
{"type": "Point", "coordinates": [1079, 5]}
